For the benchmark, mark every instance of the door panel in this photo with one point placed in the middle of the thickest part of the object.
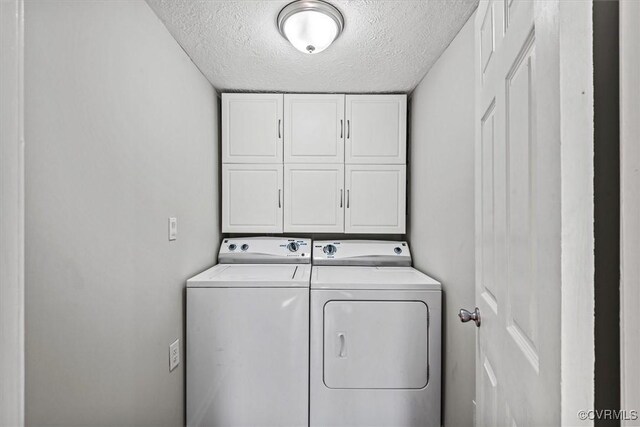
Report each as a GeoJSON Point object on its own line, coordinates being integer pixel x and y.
{"type": "Point", "coordinates": [517, 366]}
{"type": "Point", "coordinates": [314, 198]}
{"type": "Point", "coordinates": [487, 182]}
{"type": "Point", "coordinates": [252, 127]}
{"type": "Point", "coordinates": [522, 302]}
{"type": "Point", "coordinates": [487, 38]}
{"type": "Point", "coordinates": [314, 128]}
{"type": "Point", "coordinates": [375, 199]}
{"type": "Point", "coordinates": [376, 129]}
{"type": "Point", "coordinates": [488, 407]}
{"type": "Point", "coordinates": [252, 198]}
{"type": "Point", "coordinates": [376, 344]}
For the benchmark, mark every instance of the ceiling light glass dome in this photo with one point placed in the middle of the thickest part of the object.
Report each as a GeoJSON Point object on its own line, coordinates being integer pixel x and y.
{"type": "Point", "coordinates": [310, 25]}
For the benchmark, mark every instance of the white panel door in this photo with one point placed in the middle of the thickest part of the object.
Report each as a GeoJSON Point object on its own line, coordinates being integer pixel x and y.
{"type": "Point", "coordinates": [314, 128]}
{"type": "Point", "coordinates": [252, 198]}
{"type": "Point", "coordinates": [518, 279]}
{"type": "Point", "coordinates": [252, 128]}
{"type": "Point", "coordinates": [376, 129]}
{"type": "Point", "coordinates": [314, 198]}
{"type": "Point", "coordinates": [375, 198]}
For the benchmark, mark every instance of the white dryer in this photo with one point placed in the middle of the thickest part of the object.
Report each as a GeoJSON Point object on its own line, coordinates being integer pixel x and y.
{"type": "Point", "coordinates": [375, 337]}
{"type": "Point", "coordinates": [248, 335]}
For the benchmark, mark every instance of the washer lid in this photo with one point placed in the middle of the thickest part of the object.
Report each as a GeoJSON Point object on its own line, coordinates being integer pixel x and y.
{"type": "Point", "coordinates": [381, 278]}
{"type": "Point", "coordinates": [253, 276]}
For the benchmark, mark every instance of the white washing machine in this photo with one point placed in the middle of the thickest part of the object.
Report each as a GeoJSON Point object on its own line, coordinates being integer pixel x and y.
{"type": "Point", "coordinates": [248, 335]}
{"type": "Point", "coordinates": [375, 337]}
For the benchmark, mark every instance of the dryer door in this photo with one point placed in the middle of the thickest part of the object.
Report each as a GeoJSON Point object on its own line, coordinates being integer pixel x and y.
{"type": "Point", "coordinates": [376, 344]}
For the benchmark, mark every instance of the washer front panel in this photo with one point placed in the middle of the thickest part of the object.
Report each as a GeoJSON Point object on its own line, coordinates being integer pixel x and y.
{"type": "Point", "coordinates": [247, 356]}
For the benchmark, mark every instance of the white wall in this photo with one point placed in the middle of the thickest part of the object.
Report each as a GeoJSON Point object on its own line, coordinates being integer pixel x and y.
{"type": "Point", "coordinates": [441, 211]}
{"type": "Point", "coordinates": [630, 221]}
{"type": "Point", "coordinates": [11, 214]}
{"type": "Point", "coordinates": [121, 133]}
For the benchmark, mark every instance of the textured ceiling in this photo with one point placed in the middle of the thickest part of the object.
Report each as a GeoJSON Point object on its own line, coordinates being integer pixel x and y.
{"type": "Point", "coordinates": [386, 46]}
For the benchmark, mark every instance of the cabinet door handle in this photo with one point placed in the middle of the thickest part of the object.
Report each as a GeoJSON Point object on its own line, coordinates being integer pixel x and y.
{"type": "Point", "coordinates": [347, 199]}
{"type": "Point", "coordinates": [279, 128]}
{"type": "Point", "coordinates": [341, 198]}
{"type": "Point", "coordinates": [348, 129]}
{"type": "Point", "coordinates": [279, 198]}
{"type": "Point", "coordinates": [341, 128]}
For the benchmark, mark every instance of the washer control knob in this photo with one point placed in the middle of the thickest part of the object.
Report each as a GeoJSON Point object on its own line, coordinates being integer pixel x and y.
{"type": "Point", "coordinates": [232, 247]}
{"type": "Point", "coordinates": [329, 249]}
{"type": "Point", "coordinates": [244, 247]}
{"type": "Point", "coordinates": [293, 246]}
{"type": "Point", "coordinates": [397, 250]}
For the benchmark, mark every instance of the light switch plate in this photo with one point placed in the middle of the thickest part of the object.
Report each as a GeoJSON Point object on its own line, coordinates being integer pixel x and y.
{"type": "Point", "coordinates": [173, 228]}
{"type": "Point", "coordinates": [174, 355]}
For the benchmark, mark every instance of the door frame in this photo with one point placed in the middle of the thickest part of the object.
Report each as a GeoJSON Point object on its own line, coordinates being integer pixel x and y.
{"type": "Point", "coordinates": [629, 14]}
{"type": "Point", "coordinates": [577, 352]}
{"type": "Point", "coordinates": [12, 213]}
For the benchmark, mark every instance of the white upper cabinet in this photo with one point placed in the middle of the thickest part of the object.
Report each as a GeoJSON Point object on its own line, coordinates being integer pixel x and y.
{"type": "Point", "coordinates": [252, 128]}
{"type": "Point", "coordinates": [252, 198]}
{"type": "Point", "coordinates": [314, 128]}
{"type": "Point", "coordinates": [376, 131]}
{"type": "Point", "coordinates": [313, 163]}
{"type": "Point", "coordinates": [375, 198]}
{"type": "Point", "coordinates": [314, 198]}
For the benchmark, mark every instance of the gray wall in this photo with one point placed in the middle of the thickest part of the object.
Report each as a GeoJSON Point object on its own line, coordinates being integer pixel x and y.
{"type": "Point", "coordinates": [441, 208]}
{"type": "Point", "coordinates": [121, 133]}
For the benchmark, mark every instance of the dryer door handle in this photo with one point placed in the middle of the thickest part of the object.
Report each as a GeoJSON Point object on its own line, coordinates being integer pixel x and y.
{"type": "Point", "coordinates": [343, 345]}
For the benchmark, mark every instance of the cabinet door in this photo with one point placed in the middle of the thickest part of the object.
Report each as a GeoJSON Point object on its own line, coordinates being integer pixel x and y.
{"type": "Point", "coordinates": [252, 198]}
{"type": "Point", "coordinates": [376, 129]}
{"type": "Point", "coordinates": [252, 128]}
{"type": "Point", "coordinates": [314, 128]}
{"type": "Point", "coordinates": [375, 199]}
{"type": "Point", "coordinates": [314, 198]}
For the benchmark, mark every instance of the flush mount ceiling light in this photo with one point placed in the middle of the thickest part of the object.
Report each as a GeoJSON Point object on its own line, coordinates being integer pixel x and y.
{"type": "Point", "coordinates": [310, 25]}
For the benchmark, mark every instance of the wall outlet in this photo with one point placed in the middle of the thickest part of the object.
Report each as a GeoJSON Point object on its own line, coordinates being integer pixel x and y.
{"type": "Point", "coordinates": [173, 228]}
{"type": "Point", "coordinates": [174, 355]}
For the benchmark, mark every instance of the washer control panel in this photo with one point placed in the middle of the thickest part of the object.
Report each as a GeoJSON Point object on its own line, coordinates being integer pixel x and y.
{"type": "Point", "coordinates": [264, 250]}
{"type": "Point", "coordinates": [361, 252]}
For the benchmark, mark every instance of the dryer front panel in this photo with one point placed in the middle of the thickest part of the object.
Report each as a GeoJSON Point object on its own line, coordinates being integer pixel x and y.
{"type": "Point", "coordinates": [375, 358]}
{"type": "Point", "coordinates": [376, 344]}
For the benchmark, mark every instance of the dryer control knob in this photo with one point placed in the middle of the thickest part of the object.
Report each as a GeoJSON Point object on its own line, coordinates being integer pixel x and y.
{"type": "Point", "coordinates": [232, 247]}
{"type": "Point", "coordinates": [293, 246]}
{"type": "Point", "coordinates": [329, 249]}
{"type": "Point", "coordinates": [397, 250]}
